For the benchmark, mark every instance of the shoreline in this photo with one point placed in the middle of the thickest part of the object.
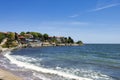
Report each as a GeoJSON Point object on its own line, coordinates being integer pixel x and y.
{"type": "Point", "coordinates": [6, 74]}
{"type": "Point", "coordinates": [34, 72]}
{"type": "Point", "coordinates": [13, 76]}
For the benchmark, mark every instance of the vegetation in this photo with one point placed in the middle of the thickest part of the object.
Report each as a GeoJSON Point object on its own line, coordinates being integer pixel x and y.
{"type": "Point", "coordinates": [53, 40]}
{"type": "Point", "coordinates": [2, 36]}
{"type": "Point", "coordinates": [22, 33]}
{"type": "Point", "coordinates": [11, 35]}
{"type": "Point", "coordinates": [45, 37]}
{"type": "Point", "coordinates": [39, 35]}
{"type": "Point", "coordinates": [70, 40]}
{"type": "Point", "coordinates": [80, 42]}
{"type": "Point", "coordinates": [10, 43]}
{"type": "Point", "coordinates": [14, 40]}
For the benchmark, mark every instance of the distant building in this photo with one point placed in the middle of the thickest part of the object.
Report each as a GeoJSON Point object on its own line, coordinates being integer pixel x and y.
{"type": "Point", "coordinates": [33, 42]}
{"type": "Point", "coordinates": [58, 38]}
{"type": "Point", "coordinates": [28, 36]}
{"type": "Point", "coordinates": [22, 39]}
{"type": "Point", "coordinates": [29, 41]}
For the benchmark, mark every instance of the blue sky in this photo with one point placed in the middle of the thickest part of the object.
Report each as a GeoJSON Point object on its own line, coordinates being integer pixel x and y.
{"type": "Point", "coordinates": [92, 21]}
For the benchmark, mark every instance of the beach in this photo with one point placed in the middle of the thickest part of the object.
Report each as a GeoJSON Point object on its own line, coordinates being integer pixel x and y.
{"type": "Point", "coordinates": [4, 74]}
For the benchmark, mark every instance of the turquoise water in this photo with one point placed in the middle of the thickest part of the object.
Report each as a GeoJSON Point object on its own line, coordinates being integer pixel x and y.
{"type": "Point", "coordinates": [91, 61]}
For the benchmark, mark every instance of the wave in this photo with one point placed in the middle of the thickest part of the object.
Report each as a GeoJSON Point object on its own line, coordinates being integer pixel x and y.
{"type": "Point", "coordinates": [85, 73]}
{"type": "Point", "coordinates": [41, 76]}
{"type": "Point", "coordinates": [41, 69]}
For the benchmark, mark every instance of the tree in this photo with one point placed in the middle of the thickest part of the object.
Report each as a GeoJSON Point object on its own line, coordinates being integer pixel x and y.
{"type": "Point", "coordinates": [22, 33]}
{"type": "Point", "coordinates": [80, 42]}
{"type": "Point", "coordinates": [16, 36]}
{"type": "Point", "coordinates": [35, 35]}
{"type": "Point", "coordinates": [8, 43]}
{"type": "Point", "coordinates": [10, 39]}
{"type": "Point", "coordinates": [11, 35]}
{"type": "Point", "coordinates": [53, 39]}
{"type": "Point", "coordinates": [45, 36]}
{"type": "Point", "coordinates": [28, 32]}
{"type": "Point", "coordinates": [39, 35]}
{"type": "Point", "coordinates": [70, 40]}
{"type": "Point", "coordinates": [2, 36]}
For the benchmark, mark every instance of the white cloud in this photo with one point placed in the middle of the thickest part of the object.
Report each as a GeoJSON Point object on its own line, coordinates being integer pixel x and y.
{"type": "Point", "coordinates": [105, 7]}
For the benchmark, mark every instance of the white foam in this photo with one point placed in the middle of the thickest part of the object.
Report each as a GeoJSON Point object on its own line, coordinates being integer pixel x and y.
{"type": "Point", "coordinates": [85, 73]}
{"type": "Point", "coordinates": [40, 76]}
{"type": "Point", "coordinates": [26, 59]}
{"type": "Point", "coordinates": [43, 70]}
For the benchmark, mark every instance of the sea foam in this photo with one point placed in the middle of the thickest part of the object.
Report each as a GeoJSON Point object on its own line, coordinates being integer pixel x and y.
{"type": "Point", "coordinates": [41, 69]}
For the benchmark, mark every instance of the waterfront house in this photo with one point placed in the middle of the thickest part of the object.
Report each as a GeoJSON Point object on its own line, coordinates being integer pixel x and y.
{"type": "Point", "coordinates": [33, 42]}
{"type": "Point", "coordinates": [22, 39]}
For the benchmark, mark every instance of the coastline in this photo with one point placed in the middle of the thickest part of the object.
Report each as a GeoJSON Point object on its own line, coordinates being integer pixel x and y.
{"type": "Point", "coordinates": [5, 74]}
{"type": "Point", "coordinates": [35, 72]}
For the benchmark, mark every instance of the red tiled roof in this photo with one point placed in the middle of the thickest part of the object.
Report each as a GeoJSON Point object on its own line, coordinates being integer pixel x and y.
{"type": "Point", "coordinates": [21, 37]}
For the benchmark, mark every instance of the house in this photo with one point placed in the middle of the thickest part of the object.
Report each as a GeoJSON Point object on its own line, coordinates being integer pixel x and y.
{"type": "Point", "coordinates": [28, 36]}
{"type": "Point", "coordinates": [22, 39]}
{"type": "Point", "coordinates": [59, 39]}
{"type": "Point", "coordinates": [33, 42]}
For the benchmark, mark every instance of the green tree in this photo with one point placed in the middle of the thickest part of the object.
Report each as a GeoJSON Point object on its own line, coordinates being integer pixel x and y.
{"type": "Point", "coordinates": [54, 39]}
{"type": "Point", "coordinates": [39, 35]}
{"type": "Point", "coordinates": [79, 42]}
{"type": "Point", "coordinates": [11, 35]}
{"type": "Point", "coordinates": [22, 33]}
{"type": "Point", "coordinates": [8, 43]}
{"type": "Point", "coordinates": [45, 36]}
{"type": "Point", "coordinates": [70, 40]}
{"type": "Point", "coordinates": [28, 32]}
{"type": "Point", "coordinates": [35, 35]}
{"type": "Point", "coordinates": [2, 36]}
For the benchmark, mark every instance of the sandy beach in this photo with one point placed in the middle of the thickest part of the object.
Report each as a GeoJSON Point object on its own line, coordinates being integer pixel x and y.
{"type": "Point", "coordinates": [5, 75]}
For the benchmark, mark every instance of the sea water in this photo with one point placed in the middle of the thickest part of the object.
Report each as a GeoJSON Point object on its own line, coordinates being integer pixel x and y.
{"type": "Point", "coordinates": [88, 62]}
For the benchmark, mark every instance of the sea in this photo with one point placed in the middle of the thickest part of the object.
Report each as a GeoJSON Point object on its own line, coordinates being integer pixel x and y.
{"type": "Point", "coordinates": [87, 62]}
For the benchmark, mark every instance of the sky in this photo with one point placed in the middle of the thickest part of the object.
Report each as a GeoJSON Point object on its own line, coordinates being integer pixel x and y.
{"type": "Point", "coordinates": [92, 21]}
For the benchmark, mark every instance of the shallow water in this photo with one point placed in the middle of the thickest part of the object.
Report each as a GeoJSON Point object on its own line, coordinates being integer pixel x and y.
{"type": "Point", "coordinates": [93, 61]}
